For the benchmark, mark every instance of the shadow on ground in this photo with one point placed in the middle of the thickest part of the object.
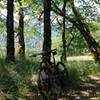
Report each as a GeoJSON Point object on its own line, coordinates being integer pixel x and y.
{"type": "Point", "coordinates": [89, 89]}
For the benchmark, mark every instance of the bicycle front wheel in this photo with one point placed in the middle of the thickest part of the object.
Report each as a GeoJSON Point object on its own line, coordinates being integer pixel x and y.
{"type": "Point", "coordinates": [63, 75]}
{"type": "Point", "coordinates": [44, 80]}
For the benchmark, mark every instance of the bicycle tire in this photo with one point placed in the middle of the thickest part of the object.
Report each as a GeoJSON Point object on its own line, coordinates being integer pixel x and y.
{"type": "Point", "coordinates": [44, 80]}
{"type": "Point", "coordinates": [63, 75]}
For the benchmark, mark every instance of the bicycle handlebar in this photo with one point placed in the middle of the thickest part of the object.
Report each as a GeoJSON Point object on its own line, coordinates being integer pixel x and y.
{"type": "Point", "coordinates": [53, 51]}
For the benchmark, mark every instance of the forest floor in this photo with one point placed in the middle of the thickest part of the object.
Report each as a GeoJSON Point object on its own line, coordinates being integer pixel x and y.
{"type": "Point", "coordinates": [89, 89]}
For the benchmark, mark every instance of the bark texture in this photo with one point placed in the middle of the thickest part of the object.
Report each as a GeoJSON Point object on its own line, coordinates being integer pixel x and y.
{"type": "Point", "coordinates": [47, 30]}
{"type": "Point", "coordinates": [21, 31]}
{"type": "Point", "coordinates": [10, 57]}
{"type": "Point", "coordinates": [63, 58]}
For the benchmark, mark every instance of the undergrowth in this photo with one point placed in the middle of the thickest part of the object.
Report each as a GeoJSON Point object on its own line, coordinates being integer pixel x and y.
{"type": "Point", "coordinates": [15, 78]}
{"type": "Point", "coordinates": [81, 69]}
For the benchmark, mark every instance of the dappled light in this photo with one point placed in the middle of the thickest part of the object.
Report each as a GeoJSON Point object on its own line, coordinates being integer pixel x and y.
{"type": "Point", "coordinates": [49, 50]}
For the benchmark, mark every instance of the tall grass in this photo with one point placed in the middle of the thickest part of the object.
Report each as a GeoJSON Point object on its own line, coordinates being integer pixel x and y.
{"type": "Point", "coordinates": [15, 78]}
{"type": "Point", "coordinates": [81, 69]}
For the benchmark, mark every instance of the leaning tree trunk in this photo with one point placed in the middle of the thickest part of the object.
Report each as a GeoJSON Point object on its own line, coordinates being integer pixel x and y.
{"type": "Point", "coordinates": [84, 30]}
{"type": "Point", "coordinates": [92, 44]}
{"type": "Point", "coordinates": [21, 31]}
{"type": "Point", "coordinates": [47, 30]}
{"type": "Point", "coordinates": [10, 32]}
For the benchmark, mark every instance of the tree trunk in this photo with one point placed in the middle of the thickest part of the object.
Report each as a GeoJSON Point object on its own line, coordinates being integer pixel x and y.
{"type": "Point", "coordinates": [84, 30]}
{"type": "Point", "coordinates": [47, 30]}
{"type": "Point", "coordinates": [10, 32]}
{"type": "Point", "coordinates": [92, 44]}
{"type": "Point", "coordinates": [21, 31]}
{"type": "Point", "coordinates": [63, 58]}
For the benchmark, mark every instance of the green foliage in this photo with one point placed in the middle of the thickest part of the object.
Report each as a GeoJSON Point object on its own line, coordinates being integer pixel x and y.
{"type": "Point", "coordinates": [2, 25]}
{"type": "Point", "coordinates": [31, 32]}
{"type": "Point", "coordinates": [74, 75]}
{"type": "Point", "coordinates": [79, 70]}
{"type": "Point", "coordinates": [34, 4]}
{"type": "Point", "coordinates": [94, 25]}
{"type": "Point", "coordinates": [2, 4]}
{"type": "Point", "coordinates": [56, 42]}
{"type": "Point", "coordinates": [77, 47]}
{"type": "Point", "coordinates": [15, 78]}
{"type": "Point", "coordinates": [95, 30]}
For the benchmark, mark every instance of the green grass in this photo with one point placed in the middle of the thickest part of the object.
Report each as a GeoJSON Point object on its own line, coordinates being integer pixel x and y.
{"type": "Point", "coordinates": [81, 69]}
{"type": "Point", "coordinates": [15, 78]}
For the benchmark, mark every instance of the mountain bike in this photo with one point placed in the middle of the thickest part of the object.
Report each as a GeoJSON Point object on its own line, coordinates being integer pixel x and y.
{"type": "Point", "coordinates": [52, 77]}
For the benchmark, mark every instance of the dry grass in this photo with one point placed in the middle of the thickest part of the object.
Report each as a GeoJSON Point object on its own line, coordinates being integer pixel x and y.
{"type": "Point", "coordinates": [80, 58]}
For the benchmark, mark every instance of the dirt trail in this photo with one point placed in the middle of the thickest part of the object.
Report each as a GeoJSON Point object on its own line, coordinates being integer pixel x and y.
{"type": "Point", "coordinates": [89, 89]}
{"type": "Point", "coordinates": [80, 58]}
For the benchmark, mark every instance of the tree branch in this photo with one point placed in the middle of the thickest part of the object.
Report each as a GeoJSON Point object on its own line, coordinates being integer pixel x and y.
{"type": "Point", "coordinates": [58, 11]}
{"type": "Point", "coordinates": [71, 38]}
